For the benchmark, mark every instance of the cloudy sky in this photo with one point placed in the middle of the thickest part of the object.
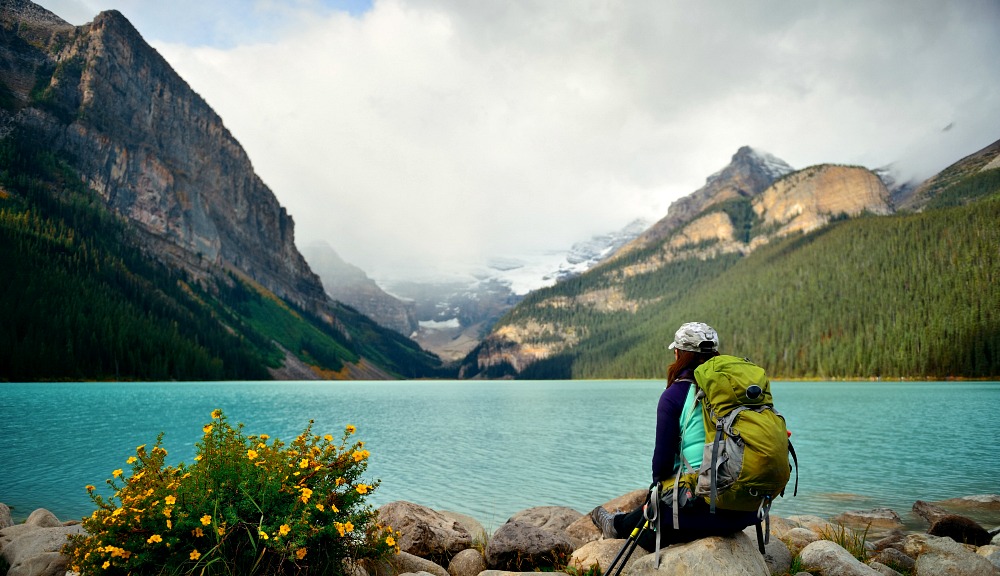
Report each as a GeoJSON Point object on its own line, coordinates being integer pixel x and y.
{"type": "Point", "coordinates": [427, 134]}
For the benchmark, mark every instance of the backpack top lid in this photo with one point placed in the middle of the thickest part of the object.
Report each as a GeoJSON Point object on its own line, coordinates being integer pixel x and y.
{"type": "Point", "coordinates": [728, 382]}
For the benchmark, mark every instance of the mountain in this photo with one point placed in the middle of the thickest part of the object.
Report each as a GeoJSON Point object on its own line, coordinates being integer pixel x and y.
{"type": "Point", "coordinates": [959, 183]}
{"type": "Point", "coordinates": [349, 284]}
{"type": "Point", "coordinates": [99, 129]}
{"type": "Point", "coordinates": [813, 275]}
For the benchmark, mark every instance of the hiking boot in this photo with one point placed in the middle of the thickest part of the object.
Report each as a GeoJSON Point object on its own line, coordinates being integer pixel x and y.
{"type": "Point", "coordinates": [605, 521]}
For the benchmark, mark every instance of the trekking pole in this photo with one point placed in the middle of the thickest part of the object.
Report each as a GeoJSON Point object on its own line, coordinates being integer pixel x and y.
{"type": "Point", "coordinates": [633, 540]}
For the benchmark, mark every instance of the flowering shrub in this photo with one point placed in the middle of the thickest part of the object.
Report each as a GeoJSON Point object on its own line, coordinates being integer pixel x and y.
{"type": "Point", "coordinates": [248, 505]}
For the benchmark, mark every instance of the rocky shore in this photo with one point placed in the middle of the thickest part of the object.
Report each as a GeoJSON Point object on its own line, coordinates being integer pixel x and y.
{"type": "Point", "coordinates": [442, 543]}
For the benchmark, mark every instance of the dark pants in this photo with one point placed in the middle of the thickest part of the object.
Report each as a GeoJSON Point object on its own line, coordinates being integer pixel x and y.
{"type": "Point", "coordinates": [696, 521]}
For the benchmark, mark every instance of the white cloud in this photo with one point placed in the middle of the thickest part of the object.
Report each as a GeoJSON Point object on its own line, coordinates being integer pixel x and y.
{"type": "Point", "coordinates": [520, 125]}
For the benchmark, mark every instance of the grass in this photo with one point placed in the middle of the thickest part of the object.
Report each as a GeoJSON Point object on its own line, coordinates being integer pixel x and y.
{"type": "Point", "coordinates": [850, 540]}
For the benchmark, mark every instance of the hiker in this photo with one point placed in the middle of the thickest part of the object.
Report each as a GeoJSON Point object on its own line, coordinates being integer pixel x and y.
{"type": "Point", "coordinates": [694, 344]}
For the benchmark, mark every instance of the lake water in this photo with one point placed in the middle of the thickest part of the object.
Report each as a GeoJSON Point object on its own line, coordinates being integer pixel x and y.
{"type": "Point", "coordinates": [490, 449]}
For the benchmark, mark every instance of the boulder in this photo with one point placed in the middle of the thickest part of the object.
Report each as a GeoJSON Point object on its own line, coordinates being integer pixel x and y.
{"type": "Point", "coordinates": [5, 518]}
{"type": "Point", "coordinates": [406, 562]}
{"type": "Point", "coordinates": [777, 555]}
{"type": "Point", "coordinates": [554, 518]}
{"type": "Point", "coordinates": [34, 548]}
{"type": "Point", "coordinates": [937, 555]}
{"type": "Point", "coordinates": [519, 546]}
{"type": "Point", "coordinates": [960, 529]}
{"type": "Point", "coordinates": [583, 529]}
{"type": "Point", "coordinates": [781, 526]}
{"type": "Point", "coordinates": [471, 525]}
{"type": "Point", "coordinates": [833, 560]}
{"type": "Point", "coordinates": [896, 559]}
{"type": "Point", "coordinates": [469, 562]}
{"type": "Point", "coordinates": [798, 538]}
{"type": "Point", "coordinates": [883, 569]}
{"type": "Point", "coordinates": [982, 502]}
{"type": "Point", "coordinates": [991, 553]}
{"type": "Point", "coordinates": [876, 518]}
{"type": "Point", "coordinates": [929, 512]}
{"type": "Point", "coordinates": [814, 523]}
{"type": "Point", "coordinates": [735, 555]}
{"type": "Point", "coordinates": [893, 539]}
{"type": "Point", "coordinates": [508, 573]}
{"type": "Point", "coordinates": [424, 532]}
{"type": "Point", "coordinates": [601, 553]}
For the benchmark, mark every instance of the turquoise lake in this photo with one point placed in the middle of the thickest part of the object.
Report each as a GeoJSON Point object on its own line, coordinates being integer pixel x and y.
{"type": "Point", "coordinates": [490, 449]}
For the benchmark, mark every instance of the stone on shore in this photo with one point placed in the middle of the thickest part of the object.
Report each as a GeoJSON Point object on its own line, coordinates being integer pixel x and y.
{"type": "Point", "coordinates": [469, 562]}
{"type": "Point", "coordinates": [5, 518]}
{"type": "Point", "coordinates": [519, 546]}
{"type": "Point", "coordinates": [777, 554]}
{"type": "Point", "coordinates": [799, 538]}
{"type": "Point", "coordinates": [602, 553]}
{"type": "Point", "coordinates": [34, 548]}
{"type": "Point", "coordinates": [553, 518]}
{"type": "Point", "coordinates": [991, 553]}
{"type": "Point", "coordinates": [471, 525]}
{"type": "Point", "coordinates": [406, 562]}
{"type": "Point", "coordinates": [937, 555]}
{"type": "Point", "coordinates": [987, 502]}
{"type": "Point", "coordinates": [833, 560]}
{"type": "Point", "coordinates": [876, 518]}
{"type": "Point", "coordinates": [896, 559]}
{"type": "Point", "coordinates": [734, 555]}
{"type": "Point", "coordinates": [424, 532]}
{"type": "Point", "coordinates": [929, 512]}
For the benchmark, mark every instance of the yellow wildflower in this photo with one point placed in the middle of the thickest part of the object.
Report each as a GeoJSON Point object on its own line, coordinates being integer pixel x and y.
{"type": "Point", "coordinates": [328, 438]}
{"type": "Point", "coordinates": [154, 538]}
{"type": "Point", "coordinates": [390, 540]}
{"type": "Point", "coordinates": [300, 553]}
{"type": "Point", "coordinates": [197, 458]}
{"type": "Point", "coordinates": [131, 460]}
{"type": "Point", "coordinates": [304, 463]}
{"type": "Point", "coordinates": [207, 429]}
{"type": "Point", "coordinates": [167, 511]}
{"type": "Point", "coordinates": [206, 520]}
{"type": "Point", "coordinates": [195, 555]}
{"type": "Point", "coordinates": [216, 413]}
{"type": "Point", "coordinates": [262, 534]}
{"type": "Point", "coordinates": [341, 481]}
{"type": "Point", "coordinates": [306, 494]}
{"type": "Point", "coordinates": [349, 527]}
{"type": "Point", "coordinates": [358, 456]}
{"type": "Point", "coordinates": [117, 473]}
{"type": "Point", "coordinates": [362, 488]}
{"type": "Point", "coordinates": [221, 530]}
{"type": "Point", "coordinates": [197, 533]}
{"type": "Point", "coordinates": [284, 529]}
{"type": "Point", "coordinates": [351, 429]}
{"type": "Point", "coordinates": [90, 488]}
{"type": "Point", "coordinates": [106, 564]}
{"type": "Point", "coordinates": [170, 500]}
{"type": "Point", "coordinates": [340, 529]}
{"type": "Point", "coordinates": [264, 436]}
{"type": "Point", "coordinates": [319, 507]}
{"type": "Point", "coordinates": [169, 524]}
{"type": "Point", "coordinates": [252, 454]}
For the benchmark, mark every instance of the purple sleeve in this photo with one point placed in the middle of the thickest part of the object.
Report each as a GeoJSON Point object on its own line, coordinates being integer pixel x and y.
{"type": "Point", "coordinates": [668, 429]}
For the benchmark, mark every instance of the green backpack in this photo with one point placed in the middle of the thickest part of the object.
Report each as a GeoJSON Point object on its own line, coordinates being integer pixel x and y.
{"type": "Point", "coordinates": [745, 463]}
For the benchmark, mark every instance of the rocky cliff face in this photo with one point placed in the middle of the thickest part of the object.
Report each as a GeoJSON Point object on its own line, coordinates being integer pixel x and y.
{"type": "Point", "coordinates": [153, 149]}
{"type": "Point", "coordinates": [739, 209]}
{"type": "Point", "coordinates": [350, 285]}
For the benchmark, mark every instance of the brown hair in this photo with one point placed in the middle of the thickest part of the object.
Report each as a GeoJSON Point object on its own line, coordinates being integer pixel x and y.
{"type": "Point", "coordinates": [686, 360]}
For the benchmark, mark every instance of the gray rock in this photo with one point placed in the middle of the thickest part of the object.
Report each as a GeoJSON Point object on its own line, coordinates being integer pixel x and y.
{"type": "Point", "coordinates": [991, 553]}
{"type": "Point", "coordinates": [554, 518]}
{"type": "Point", "coordinates": [735, 555]}
{"type": "Point", "coordinates": [424, 532]}
{"type": "Point", "coordinates": [798, 538]}
{"type": "Point", "coordinates": [883, 569]}
{"type": "Point", "coordinates": [936, 555]}
{"type": "Point", "coordinates": [833, 560]}
{"type": "Point", "coordinates": [471, 525]}
{"type": "Point", "coordinates": [469, 562]}
{"type": "Point", "coordinates": [406, 562]}
{"type": "Point", "coordinates": [508, 573]}
{"type": "Point", "coordinates": [601, 553]}
{"type": "Point", "coordinates": [36, 549]}
{"type": "Point", "coordinates": [877, 517]}
{"type": "Point", "coordinates": [777, 555]}
{"type": "Point", "coordinates": [929, 512]}
{"type": "Point", "coordinates": [814, 523]}
{"type": "Point", "coordinates": [960, 529]}
{"type": "Point", "coordinates": [896, 559]}
{"type": "Point", "coordinates": [583, 529]}
{"type": "Point", "coordinates": [892, 540]}
{"type": "Point", "coordinates": [781, 526]}
{"type": "Point", "coordinates": [5, 519]}
{"type": "Point", "coordinates": [985, 502]}
{"type": "Point", "coordinates": [519, 546]}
